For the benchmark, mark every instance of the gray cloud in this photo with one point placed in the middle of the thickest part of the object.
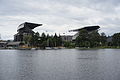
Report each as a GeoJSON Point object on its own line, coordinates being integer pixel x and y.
{"type": "Point", "coordinates": [59, 15]}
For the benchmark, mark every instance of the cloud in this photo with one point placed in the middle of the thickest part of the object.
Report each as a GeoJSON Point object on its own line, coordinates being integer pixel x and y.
{"type": "Point", "coordinates": [59, 16]}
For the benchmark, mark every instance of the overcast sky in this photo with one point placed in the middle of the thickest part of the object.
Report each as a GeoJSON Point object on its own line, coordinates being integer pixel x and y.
{"type": "Point", "coordinates": [59, 15]}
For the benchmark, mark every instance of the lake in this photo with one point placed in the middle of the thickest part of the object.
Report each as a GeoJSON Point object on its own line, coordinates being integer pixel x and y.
{"type": "Point", "coordinates": [63, 64]}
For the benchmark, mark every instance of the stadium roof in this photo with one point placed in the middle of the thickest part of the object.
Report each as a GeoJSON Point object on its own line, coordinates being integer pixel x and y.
{"type": "Point", "coordinates": [28, 24]}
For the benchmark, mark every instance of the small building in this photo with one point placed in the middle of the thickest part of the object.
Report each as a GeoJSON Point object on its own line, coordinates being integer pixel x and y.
{"type": "Point", "coordinates": [14, 44]}
{"type": "Point", "coordinates": [66, 38]}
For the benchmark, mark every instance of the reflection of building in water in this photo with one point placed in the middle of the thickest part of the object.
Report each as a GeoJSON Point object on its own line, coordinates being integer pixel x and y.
{"type": "Point", "coordinates": [88, 28]}
{"type": "Point", "coordinates": [25, 29]}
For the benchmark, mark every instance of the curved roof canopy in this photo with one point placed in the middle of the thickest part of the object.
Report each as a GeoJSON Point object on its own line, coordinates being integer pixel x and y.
{"type": "Point", "coordinates": [29, 25]}
{"type": "Point", "coordinates": [88, 28]}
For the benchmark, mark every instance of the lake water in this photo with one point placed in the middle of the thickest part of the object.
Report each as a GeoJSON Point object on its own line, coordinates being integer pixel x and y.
{"type": "Point", "coordinates": [64, 64]}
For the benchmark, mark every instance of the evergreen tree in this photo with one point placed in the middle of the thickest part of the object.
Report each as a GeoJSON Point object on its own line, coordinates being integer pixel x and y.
{"type": "Point", "coordinates": [55, 39]}
{"type": "Point", "coordinates": [43, 37]}
{"type": "Point", "coordinates": [103, 39]}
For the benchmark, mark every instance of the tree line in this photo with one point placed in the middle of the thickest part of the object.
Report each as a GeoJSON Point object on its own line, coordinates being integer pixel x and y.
{"type": "Point", "coordinates": [35, 40]}
{"type": "Point", "coordinates": [94, 39]}
{"type": "Point", "coordinates": [84, 39]}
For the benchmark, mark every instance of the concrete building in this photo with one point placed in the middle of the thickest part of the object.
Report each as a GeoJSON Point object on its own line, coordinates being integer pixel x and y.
{"type": "Point", "coordinates": [66, 37]}
{"type": "Point", "coordinates": [23, 29]}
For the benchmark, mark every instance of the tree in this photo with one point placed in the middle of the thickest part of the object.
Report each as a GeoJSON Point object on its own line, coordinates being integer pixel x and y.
{"type": "Point", "coordinates": [59, 41]}
{"type": "Point", "coordinates": [32, 40]}
{"type": "Point", "coordinates": [27, 39]}
{"type": "Point", "coordinates": [82, 39]}
{"type": "Point", "coordinates": [94, 38]}
{"type": "Point", "coordinates": [55, 39]}
{"type": "Point", "coordinates": [50, 42]}
{"type": "Point", "coordinates": [36, 38]}
{"type": "Point", "coordinates": [67, 44]}
{"type": "Point", "coordinates": [43, 37]}
{"type": "Point", "coordinates": [103, 39]}
{"type": "Point", "coordinates": [116, 39]}
{"type": "Point", "coordinates": [88, 39]}
{"type": "Point", "coordinates": [43, 40]}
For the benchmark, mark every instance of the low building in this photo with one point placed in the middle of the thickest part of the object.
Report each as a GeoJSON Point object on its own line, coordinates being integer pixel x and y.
{"type": "Point", "coordinates": [14, 44]}
{"type": "Point", "coordinates": [109, 39]}
{"type": "Point", "coordinates": [66, 38]}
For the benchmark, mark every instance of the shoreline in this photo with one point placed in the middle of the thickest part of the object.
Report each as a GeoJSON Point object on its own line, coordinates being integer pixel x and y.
{"type": "Point", "coordinates": [55, 48]}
